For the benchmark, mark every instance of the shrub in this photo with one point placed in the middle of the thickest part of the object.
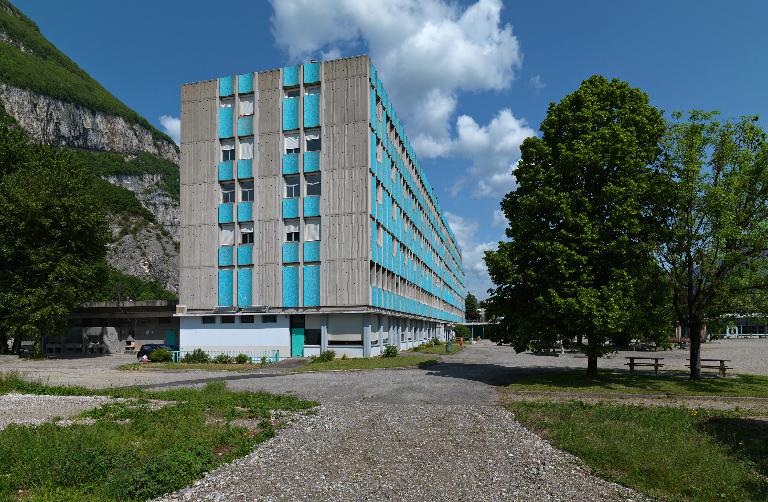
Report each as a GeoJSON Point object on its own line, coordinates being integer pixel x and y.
{"type": "Point", "coordinates": [160, 356]}
{"type": "Point", "coordinates": [462, 331]}
{"type": "Point", "coordinates": [435, 342]}
{"type": "Point", "coordinates": [343, 356]}
{"type": "Point", "coordinates": [222, 359]}
{"type": "Point", "coordinates": [242, 359]}
{"type": "Point", "coordinates": [264, 360]}
{"type": "Point", "coordinates": [196, 356]}
{"type": "Point", "coordinates": [390, 351]}
{"type": "Point", "coordinates": [326, 356]}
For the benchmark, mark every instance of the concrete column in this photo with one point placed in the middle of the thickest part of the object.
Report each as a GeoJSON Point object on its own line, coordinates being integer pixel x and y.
{"type": "Point", "coordinates": [381, 332]}
{"type": "Point", "coordinates": [324, 333]}
{"type": "Point", "coordinates": [366, 335]}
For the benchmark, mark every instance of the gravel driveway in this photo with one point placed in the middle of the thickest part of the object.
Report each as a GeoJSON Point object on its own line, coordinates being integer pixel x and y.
{"type": "Point", "coordinates": [374, 451]}
{"type": "Point", "coordinates": [34, 409]}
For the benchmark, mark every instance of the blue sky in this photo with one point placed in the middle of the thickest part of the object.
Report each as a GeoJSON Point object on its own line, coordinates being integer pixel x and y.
{"type": "Point", "coordinates": [472, 79]}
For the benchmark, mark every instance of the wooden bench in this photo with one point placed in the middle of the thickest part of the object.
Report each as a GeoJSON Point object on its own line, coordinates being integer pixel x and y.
{"type": "Point", "coordinates": [720, 367]}
{"type": "Point", "coordinates": [656, 364]}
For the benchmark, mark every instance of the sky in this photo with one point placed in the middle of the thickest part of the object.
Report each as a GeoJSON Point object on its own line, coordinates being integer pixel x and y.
{"type": "Point", "coordinates": [471, 79]}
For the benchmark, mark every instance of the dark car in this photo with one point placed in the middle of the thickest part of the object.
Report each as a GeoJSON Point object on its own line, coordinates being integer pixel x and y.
{"type": "Point", "coordinates": [147, 348]}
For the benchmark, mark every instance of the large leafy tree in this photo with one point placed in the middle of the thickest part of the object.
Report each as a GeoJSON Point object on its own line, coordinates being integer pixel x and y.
{"type": "Point", "coordinates": [581, 222]}
{"type": "Point", "coordinates": [52, 237]}
{"type": "Point", "coordinates": [715, 251]}
{"type": "Point", "coordinates": [471, 311]}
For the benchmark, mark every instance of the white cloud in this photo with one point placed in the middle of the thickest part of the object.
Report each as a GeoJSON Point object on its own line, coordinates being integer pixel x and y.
{"type": "Point", "coordinates": [472, 252]}
{"type": "Point", "coordinates": [499, 219]}
{"type": "Point", "coordinates": [427, 52]}
{"type": "Point", "coordinates": [171, 127]}
{"type": "Point", "coordinates": [536, 83]}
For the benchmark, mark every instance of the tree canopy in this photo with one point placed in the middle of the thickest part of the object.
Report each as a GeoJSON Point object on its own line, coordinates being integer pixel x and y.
{"type": "Point", "coordinates": [582, 222]}
{"type": "Point", "coordinates": [471, 312]}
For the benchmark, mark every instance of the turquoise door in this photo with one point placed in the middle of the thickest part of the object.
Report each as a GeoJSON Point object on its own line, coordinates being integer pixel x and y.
{"type": "Point", "coordinates": [297, 342]}
{"type": "Point", "coordinates": [171, 338]}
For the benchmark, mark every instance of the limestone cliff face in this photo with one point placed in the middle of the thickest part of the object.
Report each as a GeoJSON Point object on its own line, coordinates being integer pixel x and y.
{"type": "Point", "coordinates": [59, 123]}
{"type": "Point", "coordinates": [147, 190]}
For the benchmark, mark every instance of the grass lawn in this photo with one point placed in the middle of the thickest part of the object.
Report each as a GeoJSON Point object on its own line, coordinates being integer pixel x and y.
{"type": "Point", "coordinates": [670, 453]}
{"type": "Point", "coordinates": [623, 382]}
{"type": "Point", "coordinates": [436, 349]}
{"type": "Point", "coordinates": [189, 366]}
{"type": "Point", "coordinates": [132, 452]}
{"type": "Point", "coordinates": [363, 363]}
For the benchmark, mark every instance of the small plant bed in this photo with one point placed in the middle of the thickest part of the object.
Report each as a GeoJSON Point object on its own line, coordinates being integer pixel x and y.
{"type": "Point", "coordinates": [668, 453]}
{"type": "Point", "coordinates": [368, 363]}
{"type": "Point", "coordinates": [170, 366]}
{"type": "Point", "coordinates": [671, 383]}
{"type": "Point", "coordinates": [131, 450]}
{"type": "Point", "coordinates": [437, 347]}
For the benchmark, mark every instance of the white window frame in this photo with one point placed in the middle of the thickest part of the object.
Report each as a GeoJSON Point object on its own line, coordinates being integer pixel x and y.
{"type": "Point", "coordinates": [313, 180]}
{"type": "Point", "coordinates": [246, 229]}
{"type": "Point", "coordinates": [247, 191]}
{"type": "Point", "coordinates": [291, 139]}
{"type": "Point", "coordinates": [311, 135]}
{"type": "Point", "coordinates": [292, 190]}
{"type": "Point", "coordinates": [292, 230]}
{"type": "Point", "coordinates": [245, 111]}
{"type": "Point", "coordinates": [228, 190]}
{"type": "Point", "coordinates": [312, 230]}
{"type": "Point", "coordinates": [227, 235]}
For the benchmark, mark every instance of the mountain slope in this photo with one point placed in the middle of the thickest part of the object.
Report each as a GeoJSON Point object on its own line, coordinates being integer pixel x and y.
{"type": "Point", "coordinates": [56, 102]}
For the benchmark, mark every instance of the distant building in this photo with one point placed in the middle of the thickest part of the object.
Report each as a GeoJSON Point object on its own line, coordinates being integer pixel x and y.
{"type": "Point", "coordinates": [306, 220]}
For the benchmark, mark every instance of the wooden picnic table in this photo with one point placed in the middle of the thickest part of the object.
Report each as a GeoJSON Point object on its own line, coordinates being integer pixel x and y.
{"type": "Point", "coordinates": [632, 363]}
{"type": "Point", "coordinates": [720, 367]}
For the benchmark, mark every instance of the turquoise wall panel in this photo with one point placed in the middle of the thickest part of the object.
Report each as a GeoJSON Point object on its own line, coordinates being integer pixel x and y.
{"type": "Point", "coordinates": [311, 110]}
{"type": "Point", "coordinates": [290, 252]}
{"type": "Point", "coordinates": [291, 208]}
{"type": "Point", "coordinates": [226, 213]}
{"type": "Point", "coordinates": [290, 76]}
{"type": "Point", "coordinates": [245, 211]}
{"type": "Point", "coordinates": [245, 126]}
{"type": "Point", "coordinates": [245, 254]}
{"type": "Point", "coordinates": [311, 285]}
{"type": "Point", "coordinates": [244, 286]}
{"type": "Point", "coordinates": [312, 206]}
{"type": "Point", "coordinates": [225, 123]}
{"type": "Point", "coordinates": [245, 83]}
{"type": "Point", "coordinates": [225, 256]}
{"type": "Point", "coordinates": [312, 251]}
{"type": "Point", "coordinates": [311, 161]}
{"type": "Point", "coordinates": [225, 287]}
{"type": "Point", "coordinates": [226, 170]}
{"type": "Point", "coordinates": [311, 73]}
{"type": "Point", "coordinates": [290, 163]}
{"type": "Point", "coordinates": [290, 113]}
{"type": "Point", "coordinates": [291, 286]}
{"type": "Point", "coordinates": [225, 86]}
{"type": "Point", "coordinates": [245, 168]}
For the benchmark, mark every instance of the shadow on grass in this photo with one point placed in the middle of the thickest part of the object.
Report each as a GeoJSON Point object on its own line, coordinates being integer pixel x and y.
{"type": "Point", "coordinates": [744, 437]}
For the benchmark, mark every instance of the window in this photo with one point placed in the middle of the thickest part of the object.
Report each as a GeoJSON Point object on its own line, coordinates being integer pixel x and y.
{"type": "Point", "coordinates": [292, 187]}
{"type": "Point", "coordinates": [379, 235]}
{"type": "Point", "coordinates": [292, 231]}
{"type": "Point", "coordinates": [379, 193]}
{"type": "Point", "coordinates": [246, 233]}
{"type": "Point", "coordinates": [246, 319]}
{"type": "Point", "coordinates": [394, 172]}
{"type": "Point", "coordinates": [292, 93]}
{"type": "Point", "coordinates": [246, 191]}
{"type": "Point", "coordinates": [311, 337]}
{"type": "Point", "coordinates": [246, 105]}
{"type": "Point", "coordinates": [227, 151]}
{"type": "Point", "coordinates": [312, 138]}
{"type": "Point", "coordinates": [312, 230]}
{"type": "Point", "coordinates": [246, 149]}
{"type": "Point", "coordinates": [227, 319]}
{"type": "Point", "coordinates": [269, 319]}
{"type": "Point", "coordinates": [315, 90]}
{"type": "Point", "coordinates": [394, 247]}
{"type": "Point", "coordinates": [227, 235]}
{"type": "Point", "coordinates": [378, 109]}
{"type": "Point", "coordinates": [209, 319]}
{"type": "Point", "coordinates": [379, 150]}
{"type": "Point", "coordinates": [292, 143]}
{"type": "Point", "coordinates": [226, 103]}
{"type": "Point", "coordinates": [227, 193]}
{"type": "Point", "coordinates": [313, 184]}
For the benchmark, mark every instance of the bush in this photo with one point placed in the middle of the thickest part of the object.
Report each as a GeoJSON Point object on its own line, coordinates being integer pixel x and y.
{"type": "Point", "coordinates": [462, 331]}
{"type": "Point", "coordinates": [242, 359]}
{"type": "Point", "coordinates": [264, 360]}
{"type": "Point", "coordinates": [160, 356]}
{"type": "Point", "coordinates": [326, 356]}
{"type": "Point", "coordinates": [344, 357]}
{"type": "Point", "coordinates": [435, 342]}
{"type": "Point", "coordinates": [390, 351]}
{"type": "Point", "coordinates": [222, 359]}
{"type": "Point", "coordinates": [196, 356]}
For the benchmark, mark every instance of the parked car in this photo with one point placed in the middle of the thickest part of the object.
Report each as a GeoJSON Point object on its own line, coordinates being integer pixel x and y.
{"type": "Point", "coordinates": [147, 348]}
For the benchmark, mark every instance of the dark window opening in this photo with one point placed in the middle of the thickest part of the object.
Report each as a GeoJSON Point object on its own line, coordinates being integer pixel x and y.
{"type": "Point", "coordinates": [345, 342]}
{"type": "Point", "coordinates": [311, 337]}
{"type": "Point", "coordinates": [269, 318]}
{"type": "Point", "coordinates": [246, 319]}
{"type": "Point", "coordinates": [209, 319]}
{"type": "Point", "coordinates": [297, 321]}
{"type": "Point", "coordinates": [227, 319]}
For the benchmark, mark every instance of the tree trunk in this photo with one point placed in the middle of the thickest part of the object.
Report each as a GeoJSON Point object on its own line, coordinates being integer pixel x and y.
{"type": "Point", "coordinates": [592, 366]}
{"type": "Point", "coordinates": [579, 339]}
{"type": "Point", "coordinates": [694, 334]}
{"type": "Point", "coordinates": [16, 344]}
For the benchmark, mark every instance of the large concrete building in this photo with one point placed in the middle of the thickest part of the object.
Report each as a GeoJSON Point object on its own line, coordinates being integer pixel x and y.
{"type": "Point", "coordinates": [306, 221]}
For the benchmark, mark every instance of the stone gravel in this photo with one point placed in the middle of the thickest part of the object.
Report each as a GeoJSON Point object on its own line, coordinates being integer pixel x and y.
{"type": "Point", "coordinates": [380, 451]}
{"type": "Point", "coordinates": [34, 409]}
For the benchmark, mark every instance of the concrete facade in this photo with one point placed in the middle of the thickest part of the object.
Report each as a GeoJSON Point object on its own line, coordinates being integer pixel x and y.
{"type": "Point", "coordinates": [301, 198]}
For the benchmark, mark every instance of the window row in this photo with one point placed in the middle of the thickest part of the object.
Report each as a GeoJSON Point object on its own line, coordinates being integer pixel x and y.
{"type": "Point", "coordinates": [312, 183]}
{"type": "Point", "coordinates": [294, 92]}
{"type": "Point", "coordinates": [227, 234]}
{"type": "Point", "coordinates": [228, 192]}
{"type": "Point", "coordinates": [311, 230]}
{"type": "Point", "coordinates": [228, 149]}
{"type": "Point", "coordinates": [244, 108]}
{"type": "Point", "coordinates": [244, 319]}
{"type": "Point", "coordinates": [311, 141]}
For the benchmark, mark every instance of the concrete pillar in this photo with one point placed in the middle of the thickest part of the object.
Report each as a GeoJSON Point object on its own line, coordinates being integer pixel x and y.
{"type": "Point", "coordinates": [366, 335]}
{"type": "Point", "coordinates": [324, 332]}
{"type": "Point", "coordinates": [381, 332]}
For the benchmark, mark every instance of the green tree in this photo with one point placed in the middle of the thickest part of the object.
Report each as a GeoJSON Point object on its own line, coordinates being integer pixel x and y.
{"type": "Point", "coordinates": [470, 308]}
{"type": "Point", "coordinates": [52, 237]}
{"type": "Point", "coordinates": [716, 243]}
{"type": "Point", "coordinates": [581, 222]}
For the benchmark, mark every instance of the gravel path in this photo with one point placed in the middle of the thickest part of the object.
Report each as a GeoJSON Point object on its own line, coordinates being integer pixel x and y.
{"type": "Point", "coordinates": [34, 409]}
{"type": "Point", "coordinates": [372, 451]}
